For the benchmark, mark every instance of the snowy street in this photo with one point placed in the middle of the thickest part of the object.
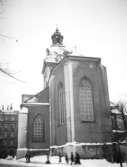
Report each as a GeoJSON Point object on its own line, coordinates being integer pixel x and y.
{"type": "Point", "coordinates": [39, 161]}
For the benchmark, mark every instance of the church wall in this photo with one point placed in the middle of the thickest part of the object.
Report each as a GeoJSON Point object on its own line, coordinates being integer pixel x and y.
{"type": "Point", "coordinates": [99, 130]}
{"type": "Point", "coordinates": [91, 136]}
{"type": "Point", "coordinates": [58, 131]}
{"type": "Point", "coordinates": [43, 112]}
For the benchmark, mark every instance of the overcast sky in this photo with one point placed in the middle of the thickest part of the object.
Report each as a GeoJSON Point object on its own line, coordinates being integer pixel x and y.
{"type": "Point", "coordinates": [97, 28]}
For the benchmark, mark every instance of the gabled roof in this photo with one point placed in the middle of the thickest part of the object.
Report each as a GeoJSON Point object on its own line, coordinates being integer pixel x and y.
{"type": "Point", "coordinates": [41, 97]}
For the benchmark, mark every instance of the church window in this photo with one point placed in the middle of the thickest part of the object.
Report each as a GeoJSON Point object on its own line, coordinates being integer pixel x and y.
{"type": "Point", "coordinates": [61, 104]}
{"type": "Point", "coordinates": [86, 100]}
{"type": "Point", "coordinates": [38, 134]}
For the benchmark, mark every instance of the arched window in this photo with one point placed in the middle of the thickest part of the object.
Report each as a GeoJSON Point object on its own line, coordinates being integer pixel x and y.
{"type": "Point", "coordinates": [61, 104]}
{"type": "Point", "coordinates": [86, 100]}
{"type": "Point", "coordinates": [38, 133]}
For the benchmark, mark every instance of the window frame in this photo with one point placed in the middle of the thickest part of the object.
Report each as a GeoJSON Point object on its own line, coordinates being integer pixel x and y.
{"type": "Point", "coordinates": [82, 116]}
{"type": "Point", "coordinates": [36, 138]}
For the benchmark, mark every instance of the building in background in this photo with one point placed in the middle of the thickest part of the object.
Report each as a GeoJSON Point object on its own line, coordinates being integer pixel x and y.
{"type": "Point", "coordinates": [119, 124]}
{"type": "Point", "coordinates": [8, 132]}
{"type": "Point", "coordinates": [74, 102]}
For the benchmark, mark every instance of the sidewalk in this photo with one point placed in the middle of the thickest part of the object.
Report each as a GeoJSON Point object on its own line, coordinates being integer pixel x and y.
{"type": "Point", "coordinates": [39, 161]}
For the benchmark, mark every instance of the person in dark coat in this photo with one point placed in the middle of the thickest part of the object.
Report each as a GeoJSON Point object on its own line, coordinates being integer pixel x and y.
{"type": "Point", "coordinates": [48, 160]}
{"type": "Point", "coordinates": [72, 158]}
{"type": "Point", "coordinates": [60, 158]}
{"type": "Point", "coordinates": [66, 158]}
{"type": "Point", "coordinates": [27, 156]}
{"type": "Point", "coordinates": [77, 158]}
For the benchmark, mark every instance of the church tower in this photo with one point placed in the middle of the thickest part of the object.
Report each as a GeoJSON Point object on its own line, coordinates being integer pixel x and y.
{"type": "Point", "coordinates": [54, 54]}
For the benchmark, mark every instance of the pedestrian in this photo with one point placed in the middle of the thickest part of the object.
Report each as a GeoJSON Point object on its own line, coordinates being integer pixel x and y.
{"type": "Point", "coordinates": [48, 161]}
{"type": "Point", "coordinates": [26, 156]}
{"type": "Point", "coordinates": [66, 158]}
{"type": "Point", "coordinates": [60, 158]}
{"type": "Point", "coordinates": [72, 158]}
{"type": "Point", "coordinates": [77, 158]}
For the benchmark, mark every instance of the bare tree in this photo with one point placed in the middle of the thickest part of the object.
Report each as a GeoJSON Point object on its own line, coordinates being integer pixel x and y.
{"type": "Point", "coordinates": [123, 110]}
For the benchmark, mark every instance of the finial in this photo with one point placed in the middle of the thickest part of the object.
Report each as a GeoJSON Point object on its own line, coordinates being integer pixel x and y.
{"type": "Point", "coordinates": [3, 107]}
{"type": "Point", "coordinates": [7, 107]}
{"type": "Point", "coordinates": [11, 108]}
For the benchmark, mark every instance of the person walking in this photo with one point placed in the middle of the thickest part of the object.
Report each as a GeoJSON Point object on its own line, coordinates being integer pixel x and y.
{"type": "Point", "coordinates": [48, 160]}
{"type": "Point", "coordinates": [26, 156]}
{"type": "Point", "coordinates": [77, 158]}
{"type": "Point", "coordinates": [66, 158]}
{"type": "Point", "coordinates": [60, 158]}
{"type": "Point", "coordinates": [72, 158]}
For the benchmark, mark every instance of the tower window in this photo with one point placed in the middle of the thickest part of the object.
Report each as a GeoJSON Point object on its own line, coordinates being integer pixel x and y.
{"type": "Point", "coordinates": [61, 104]}
{"type": "Point", "coordinates": [86, 100]}
{"type": "Point", "coordinates": [38, 133]}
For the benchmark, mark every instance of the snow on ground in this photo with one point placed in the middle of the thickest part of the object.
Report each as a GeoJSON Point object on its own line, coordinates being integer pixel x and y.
{"type": "Point", "coordinates": [39, 161]}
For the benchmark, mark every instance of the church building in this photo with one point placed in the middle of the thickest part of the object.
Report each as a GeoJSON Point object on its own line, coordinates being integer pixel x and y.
{"type": "Point", "coordinates": [72, 113]}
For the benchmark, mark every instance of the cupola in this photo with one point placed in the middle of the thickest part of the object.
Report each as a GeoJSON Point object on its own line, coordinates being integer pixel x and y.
{"type": "Point", "coordinates": [57, 38]}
